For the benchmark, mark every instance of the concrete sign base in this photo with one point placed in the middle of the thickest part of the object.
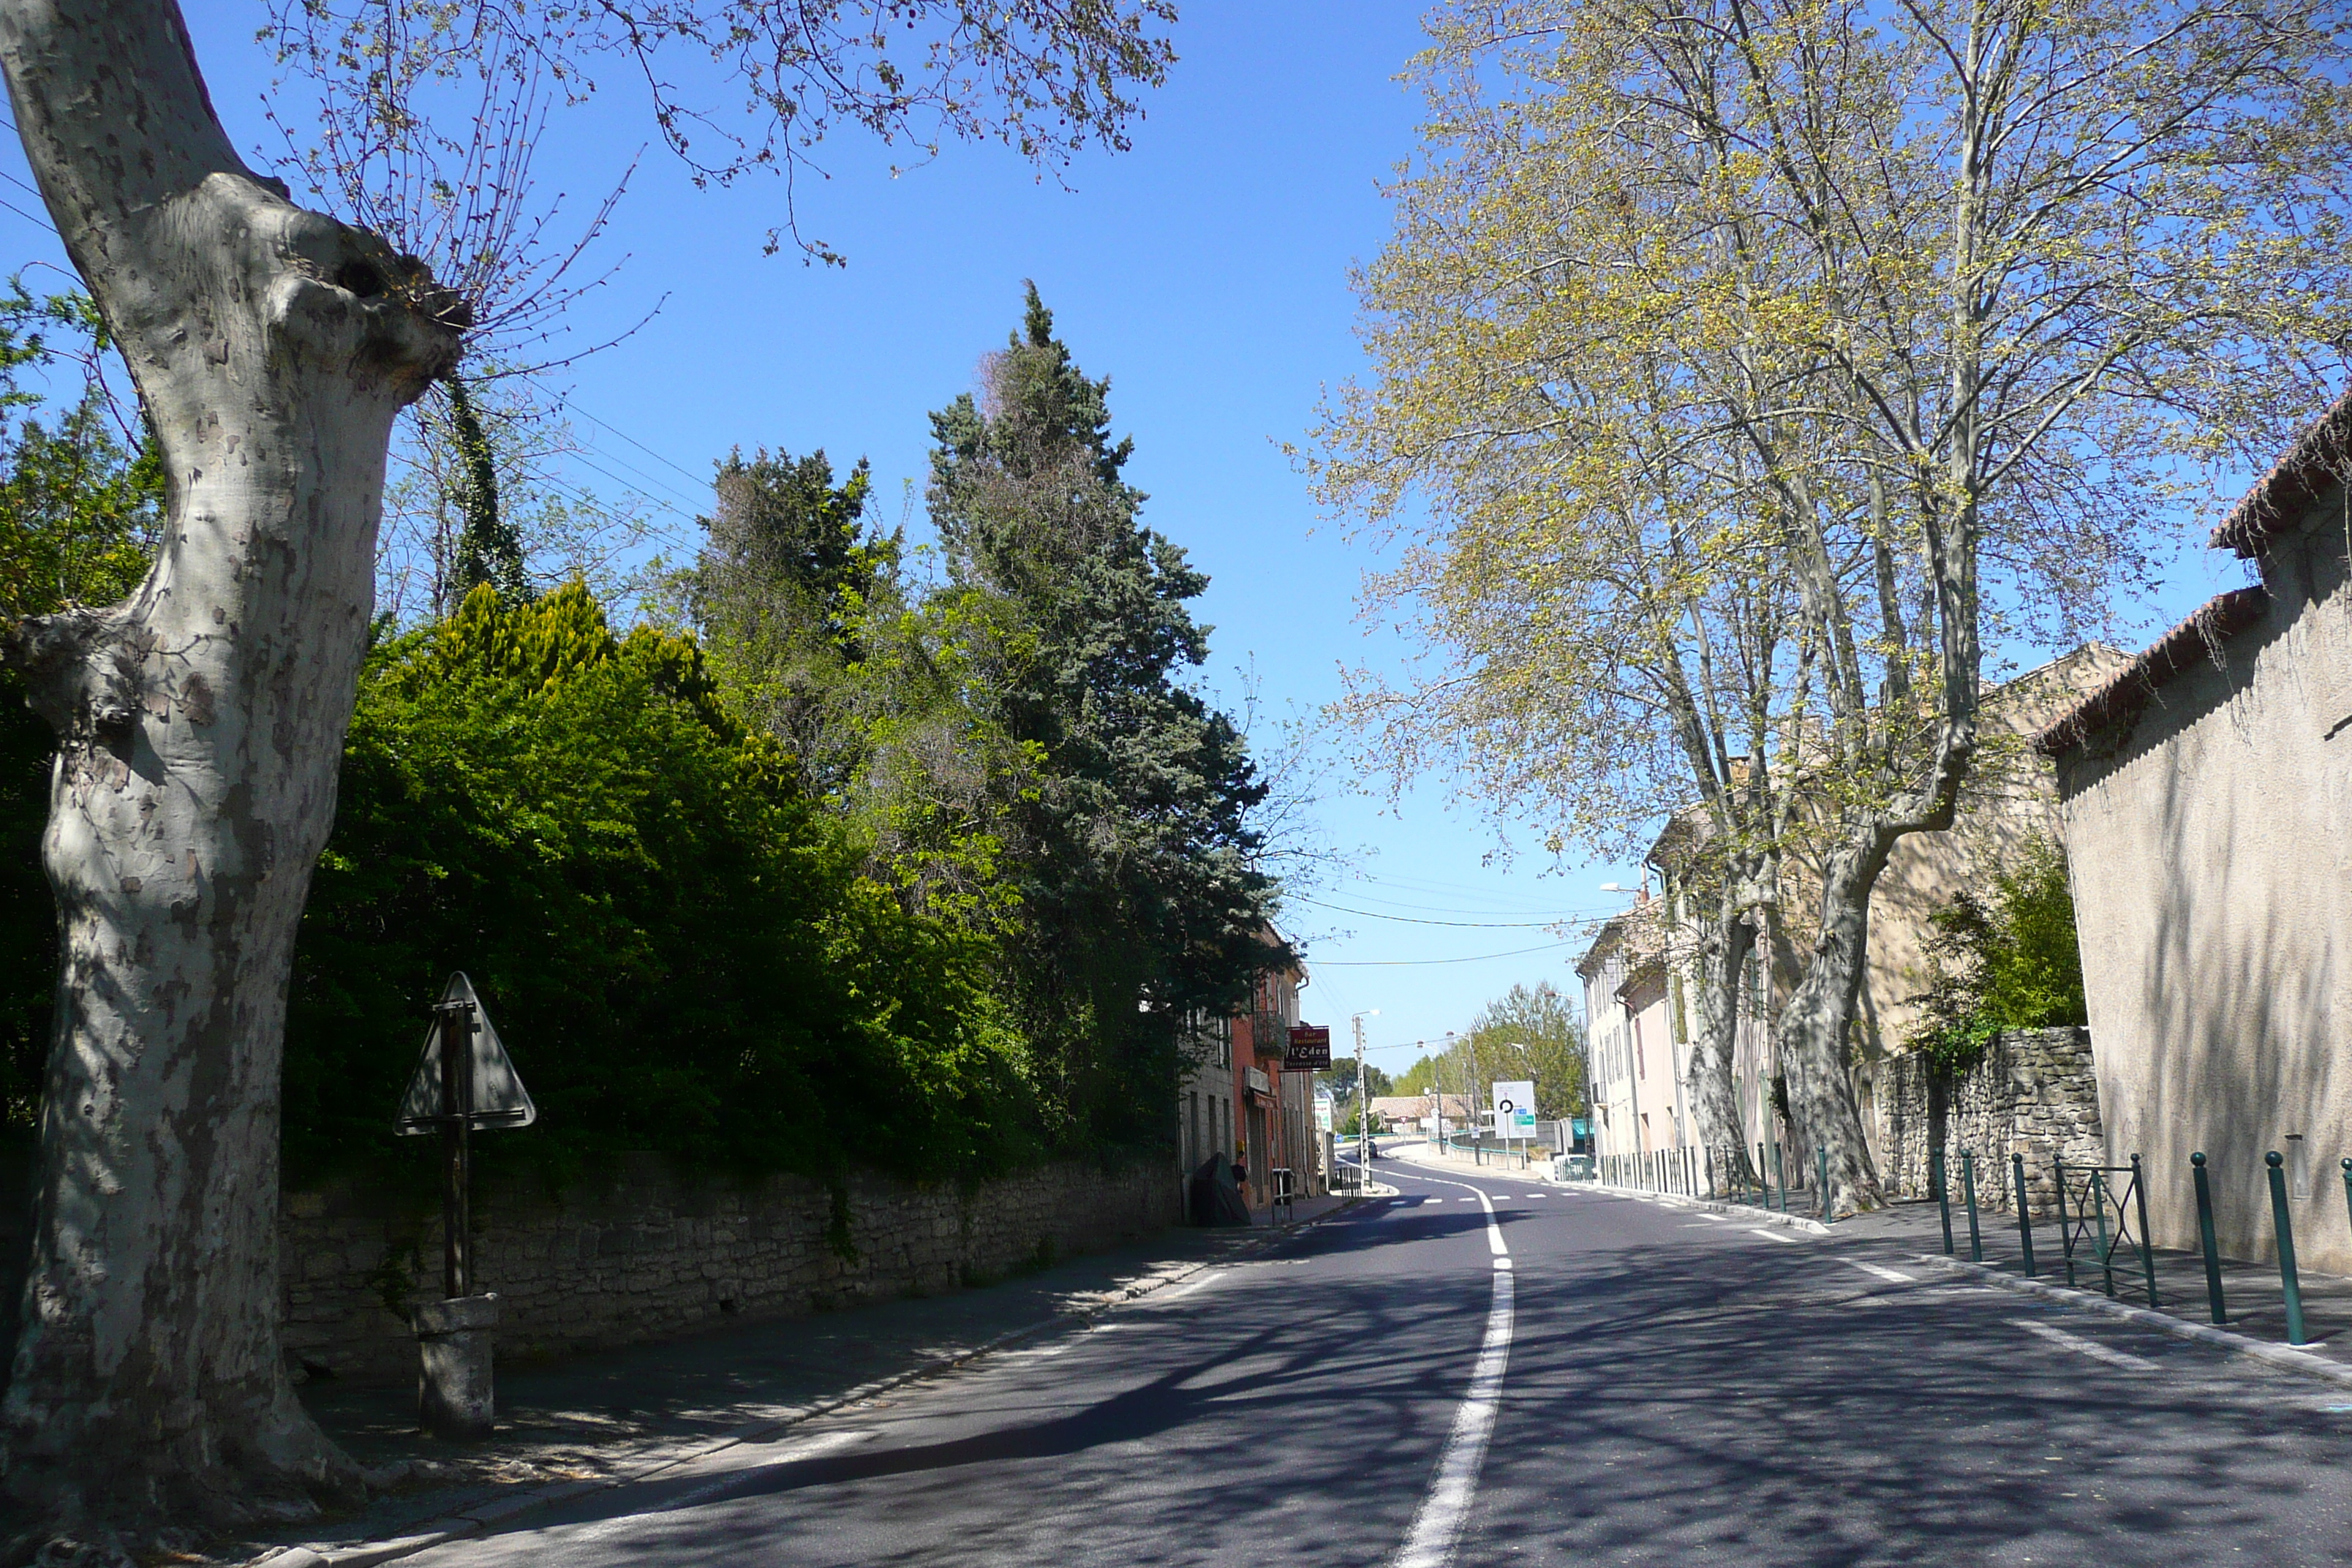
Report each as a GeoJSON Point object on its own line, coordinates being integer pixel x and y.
{"type": "Point", "coordinates": [455, 1395]}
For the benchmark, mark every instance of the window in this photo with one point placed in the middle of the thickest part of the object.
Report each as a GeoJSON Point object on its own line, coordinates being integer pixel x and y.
{"type": "Point", "coordinates": [1226, 1043]}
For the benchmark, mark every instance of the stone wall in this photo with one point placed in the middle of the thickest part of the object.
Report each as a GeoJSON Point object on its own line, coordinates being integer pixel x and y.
{"type": "Point", "coordinates": [652, 1254]}
{"type": "Point", "coordinates": [2033, 1093]}
{"type": "Point", "coordinates": [648, 1253]}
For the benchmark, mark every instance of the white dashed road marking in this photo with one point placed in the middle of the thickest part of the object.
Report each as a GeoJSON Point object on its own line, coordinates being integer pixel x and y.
{"type": "Point", "coordinates": [2082, 1346]}
{"type": "Point", "coordinates": [1895, 1275]}
{"type": "Point", "coordinates": [1772, 1235]}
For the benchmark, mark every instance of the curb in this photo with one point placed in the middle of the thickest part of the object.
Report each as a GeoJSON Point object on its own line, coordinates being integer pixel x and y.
{"type": "Point", "coordinates": [466, 1524]}
{"type": "Point", "coordinates": [2283, 1356]}
{"type": "Point", "coordinates": [1676, 1200]}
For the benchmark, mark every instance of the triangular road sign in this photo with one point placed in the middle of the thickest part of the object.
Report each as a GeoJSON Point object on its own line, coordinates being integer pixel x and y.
{"type": "Point", "coordinates": [500, 1098]}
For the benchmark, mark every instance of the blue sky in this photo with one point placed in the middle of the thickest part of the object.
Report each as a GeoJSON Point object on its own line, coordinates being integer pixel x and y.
{"type": "Point", "coordinates": [1206, 272]}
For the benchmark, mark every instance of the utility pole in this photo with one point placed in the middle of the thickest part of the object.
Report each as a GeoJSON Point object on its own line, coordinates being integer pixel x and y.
{"type": "Point", "coordinates": [1363, 1097]}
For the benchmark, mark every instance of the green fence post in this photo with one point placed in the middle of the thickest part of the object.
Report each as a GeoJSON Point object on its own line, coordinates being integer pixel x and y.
{"type": "Point", "coordinates": [2290, 1288]}
{"type": "Point", "coordinates": [1969, 1189]}
{"type": "Point", "coordinates": [1826, 1215]}
{"type": "Point", "coordinates": [2147, 1248]}
{"type": "Point", "coordinates": [2024, 1211]}
{"type": "Point", "coordinates": [2106, 1248]}
{"type": "Point", "coordinates": [1943, 1200]}
{"type": "Point", "coordinates": [2205, 1236]}
{"type": "Point", "coordinates": [1763, 1178]}
{"type": "Point", "coordinates": [2065, 1220]}
{"type": "Point", "coordinates": [1780, 1177]}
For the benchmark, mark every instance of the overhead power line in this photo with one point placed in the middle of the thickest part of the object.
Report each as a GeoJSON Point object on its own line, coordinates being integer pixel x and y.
{"type": "Point", "coordinates": [1477, 925]}
{"type": "Point", "coordinates": [1415, 963]}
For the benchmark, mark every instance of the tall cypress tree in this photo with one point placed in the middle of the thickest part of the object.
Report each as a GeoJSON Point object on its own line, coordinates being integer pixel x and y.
{"type": "Point", "coordinates": [1142, 898]}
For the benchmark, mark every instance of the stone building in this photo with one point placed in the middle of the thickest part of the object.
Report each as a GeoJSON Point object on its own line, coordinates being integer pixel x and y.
{"type": "Point", "coordinates": [2208, 801]}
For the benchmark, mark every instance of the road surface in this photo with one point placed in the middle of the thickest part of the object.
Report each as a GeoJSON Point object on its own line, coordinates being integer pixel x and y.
{"type": "Point", "coordinates": [1493, 1369]}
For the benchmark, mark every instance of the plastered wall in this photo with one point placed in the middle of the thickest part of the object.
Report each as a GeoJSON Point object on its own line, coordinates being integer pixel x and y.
{"type": "Point", "coordinates": [2210, 840]}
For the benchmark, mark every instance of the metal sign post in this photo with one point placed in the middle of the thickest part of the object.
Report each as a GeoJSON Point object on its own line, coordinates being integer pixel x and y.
{"type": "Point", "coordinates": [455, 1020]}
{"type": "Point", "coordinates": [464, 1080]}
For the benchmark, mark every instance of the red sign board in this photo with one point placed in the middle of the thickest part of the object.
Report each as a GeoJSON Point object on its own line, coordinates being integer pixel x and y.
{"type": "Point", "coordinates": [1309, 1049]}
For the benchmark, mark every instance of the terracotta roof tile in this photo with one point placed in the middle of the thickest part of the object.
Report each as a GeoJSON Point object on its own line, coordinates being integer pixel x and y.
{"type": "Point", "coordinates": [2321, 459]}
{"type": "Point", "coordinates": [2127, 695]}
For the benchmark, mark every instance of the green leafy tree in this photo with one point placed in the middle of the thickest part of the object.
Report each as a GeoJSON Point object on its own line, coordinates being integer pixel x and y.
{"type": "Point", "coordinates": [2009, 963]}
{"type": "Point", "coordinates": [1134, 854]}
{"type": "Point", "coordinates": [1341, 1078]}
{"type": "Point", "coordinates": [681, 948]}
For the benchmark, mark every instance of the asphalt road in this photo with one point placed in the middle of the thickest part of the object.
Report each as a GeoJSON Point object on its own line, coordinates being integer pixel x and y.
{"type": "Point", "coordinates": [1579, 1379]}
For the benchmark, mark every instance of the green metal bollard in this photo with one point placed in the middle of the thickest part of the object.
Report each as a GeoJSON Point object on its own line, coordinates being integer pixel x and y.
{"type": "Point", "coordinates": [2106, 1248]}
{"type": "Point", "coordinates": [1825, 1184]}
{"type": "Point", "coordinates": [2347, 1186]}
{"type": "Point", "coordinates": [2065, 1221]}
{"type": "Point", "coordinates": [2290, 1288]}
{"type": "Point", "coordinates": [1763, 1178]}
{"type": "Point", "coordinates": [2205, 1236]}
{"type": "Point", "coordinates": [1968, 1188]}
{"type": "Point", "coordinates": [2147, 1248]}
{"type": "Point", "coordinates": [1943, 1199]}
{"type": "Point", "coordinates": [2024, 1213]}
{"type": "Point", "coordinates": [1780, 1177]}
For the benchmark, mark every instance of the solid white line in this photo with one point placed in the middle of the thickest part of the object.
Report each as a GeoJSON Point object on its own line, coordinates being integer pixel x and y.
{"type": "Point", "coordinates": [1437, 1525]}
{"type": "Point", "coordinates": [1773, 1236]}
{"type": "Point", "coordinates": [1897, 1275]}
{"type": "Point", "coordinates": [2082, 1346]}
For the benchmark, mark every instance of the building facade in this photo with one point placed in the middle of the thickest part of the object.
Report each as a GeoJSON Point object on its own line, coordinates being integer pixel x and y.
{"type": "Point", "coordinates": [1235, 1100]}
{"type": "Point", "coordinates": [1638, 1059]}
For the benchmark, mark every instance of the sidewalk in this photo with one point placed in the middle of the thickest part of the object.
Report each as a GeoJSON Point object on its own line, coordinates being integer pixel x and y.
{"type": "Point", "coordinates": [598, 1419]}
{"type": "Point", "coordinates": [2254, 1304]}
{"type": "Point", "coordinates": [2254, 1310]}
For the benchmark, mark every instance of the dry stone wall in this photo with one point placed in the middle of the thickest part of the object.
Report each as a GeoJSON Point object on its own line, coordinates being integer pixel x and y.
{"type": "Point", "coordinates": [651, 1255]}
{"type": "Point", "coordinates": [2033, 1092]}
{"type": "Point", "coordinates": [648, 1253]}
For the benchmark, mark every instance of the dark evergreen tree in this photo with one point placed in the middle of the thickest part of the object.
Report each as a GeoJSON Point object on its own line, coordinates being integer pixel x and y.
{"type": "Point", "coordinates": [780, 595]}
{"type": "Point", "coordinates": [1140, 897]}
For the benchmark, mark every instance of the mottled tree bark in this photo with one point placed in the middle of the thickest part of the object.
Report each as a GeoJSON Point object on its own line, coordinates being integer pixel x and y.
{"type": "Point", "coordinates": [1727, 942]}
{"type": "Point", "coordinates": [1811, 1039]}
{"type": "Point", "coordinates": [200, 726]}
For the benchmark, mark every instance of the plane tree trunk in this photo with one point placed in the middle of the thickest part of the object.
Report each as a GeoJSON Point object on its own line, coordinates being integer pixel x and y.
{"type": "Point", "coordinates": [1725, 946]}
{"type": "Point", "coordinates": [1812, 1039]}
{"type": "Point", "coordinates": [200, 725]}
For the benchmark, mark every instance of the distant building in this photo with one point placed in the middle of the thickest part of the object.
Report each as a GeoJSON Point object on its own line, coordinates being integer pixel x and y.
{"type": "Point", "coordinates": [2207, 801]}
{"type": "Point", "coordinates": [1637, 1053]}
{"type": "Point", "coordinates": [1412, 1112]}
